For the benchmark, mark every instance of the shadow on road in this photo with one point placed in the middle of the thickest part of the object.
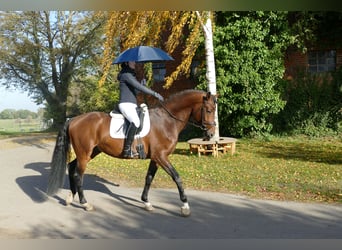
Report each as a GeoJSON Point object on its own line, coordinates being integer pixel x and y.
{"type": "Point", "coordinates": [35, 186]}
{"type": "Point", "coordinates": [39, 141]}
{"type": "Point", "coordinates": [119, 214]}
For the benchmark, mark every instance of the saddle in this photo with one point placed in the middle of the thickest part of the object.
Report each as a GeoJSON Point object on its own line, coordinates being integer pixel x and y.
{"type": "Point", "coordinates": [119, 124]}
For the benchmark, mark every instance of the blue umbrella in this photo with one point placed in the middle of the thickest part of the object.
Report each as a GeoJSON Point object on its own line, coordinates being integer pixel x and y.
{"type": "Point", "coordinates": [143, 54]}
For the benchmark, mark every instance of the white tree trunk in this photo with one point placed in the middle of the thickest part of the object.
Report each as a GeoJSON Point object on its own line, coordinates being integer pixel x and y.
{"type": "Point", "coordinates": [210, 63]}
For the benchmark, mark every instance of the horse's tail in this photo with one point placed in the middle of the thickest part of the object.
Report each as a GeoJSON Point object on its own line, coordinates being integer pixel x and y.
{"type": "Point", "coordinates": [59, 161]}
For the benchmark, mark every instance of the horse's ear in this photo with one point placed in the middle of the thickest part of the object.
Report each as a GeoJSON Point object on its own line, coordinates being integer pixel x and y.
{"type": "Point", "coordinates": [213, 96]}
{"type": "Point", "coordinates": [209, 95]}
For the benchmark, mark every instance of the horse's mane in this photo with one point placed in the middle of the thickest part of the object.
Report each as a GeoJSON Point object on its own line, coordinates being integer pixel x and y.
{"type": "Point", "coordinates": [180, 95]}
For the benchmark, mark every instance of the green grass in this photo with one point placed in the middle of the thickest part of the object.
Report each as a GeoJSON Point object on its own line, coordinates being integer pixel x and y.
{"type": "Point", "coordinates": [291, 168]}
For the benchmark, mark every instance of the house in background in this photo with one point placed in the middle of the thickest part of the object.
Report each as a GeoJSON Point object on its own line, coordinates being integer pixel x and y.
{"type": "Point", "coordinates": [313, 61]}
{"type": "Point", "coordinates": [324, 54]}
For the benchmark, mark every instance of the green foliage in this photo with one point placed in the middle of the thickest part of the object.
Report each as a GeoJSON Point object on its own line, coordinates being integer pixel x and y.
{"type": "Point", "coordinates": [249, 50]}
{"type": "Point", "coordinates": [92, 97]}
{"type": "Point", "coordinates": [95, 98]}
{"type": "Point", "coordinates": [314, 105]}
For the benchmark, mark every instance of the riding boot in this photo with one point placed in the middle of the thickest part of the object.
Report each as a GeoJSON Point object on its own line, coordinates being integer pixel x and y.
{"type": "Point", "coordinates": [127, 151]}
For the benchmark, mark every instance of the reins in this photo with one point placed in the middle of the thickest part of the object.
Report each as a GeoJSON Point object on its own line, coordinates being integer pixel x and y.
{"type": "Point", "coordinates": [201, 126]}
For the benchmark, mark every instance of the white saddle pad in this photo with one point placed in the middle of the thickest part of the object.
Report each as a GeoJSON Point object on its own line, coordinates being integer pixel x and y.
{"type": "Point", "coordinates": [118, 127]}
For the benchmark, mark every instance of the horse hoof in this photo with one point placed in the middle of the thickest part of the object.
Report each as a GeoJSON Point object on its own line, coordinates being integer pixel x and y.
{"type": "Point", "coordinates": [148, 206]}
{"type": "Point", "coordinates": [69, 199]}
{"type": "Point", "coordinates": [185, 210]}
{"type": "Point", "coordinates": [88, 207]}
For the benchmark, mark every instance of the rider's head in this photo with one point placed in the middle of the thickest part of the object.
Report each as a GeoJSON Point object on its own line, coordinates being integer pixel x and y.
{"type": "Point", "coordinates": [130, 64]}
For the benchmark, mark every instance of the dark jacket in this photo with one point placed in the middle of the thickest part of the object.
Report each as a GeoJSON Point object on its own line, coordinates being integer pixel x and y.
{"type": "Point", "coordinates": [130, 87]}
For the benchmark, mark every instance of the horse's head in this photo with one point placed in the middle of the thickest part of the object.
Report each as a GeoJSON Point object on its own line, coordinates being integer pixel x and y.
{"type": "Point", "coordinates": [206, 118]}
{"type": "Point", "coordinates": [202, 108]}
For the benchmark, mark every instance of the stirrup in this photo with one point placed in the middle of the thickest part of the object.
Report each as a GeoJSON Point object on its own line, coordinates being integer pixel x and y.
{"type": "Point", "coordinates": [129, 154]}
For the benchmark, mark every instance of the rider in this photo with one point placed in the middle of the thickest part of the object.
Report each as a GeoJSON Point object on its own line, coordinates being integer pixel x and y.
{"type": "Point", "coordinates": [129, 88]}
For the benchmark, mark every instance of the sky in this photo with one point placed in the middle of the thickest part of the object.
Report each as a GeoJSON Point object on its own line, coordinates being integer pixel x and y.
{"type": "Point", "coordinates": [10, 99]}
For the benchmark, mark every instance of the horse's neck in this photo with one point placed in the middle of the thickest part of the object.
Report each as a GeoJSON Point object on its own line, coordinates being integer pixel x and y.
{"type": "Point", "coordinates": [175, 111]}
{"type": "Point", "coordinates": [180, 110]}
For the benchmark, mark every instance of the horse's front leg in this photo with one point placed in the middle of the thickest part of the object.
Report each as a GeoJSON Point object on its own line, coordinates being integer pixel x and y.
{"type": "Point", "coordinates": [151, 172]}
{"type": "Point", "coordinates": [167, 166]}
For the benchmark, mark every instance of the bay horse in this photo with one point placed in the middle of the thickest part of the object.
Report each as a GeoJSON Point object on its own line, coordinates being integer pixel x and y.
{"type": "Point", "coordinates": [89, 136]}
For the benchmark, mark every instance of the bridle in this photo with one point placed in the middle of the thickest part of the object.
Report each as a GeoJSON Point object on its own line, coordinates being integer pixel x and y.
{"type": "Point", "coordinates": [203, 125]}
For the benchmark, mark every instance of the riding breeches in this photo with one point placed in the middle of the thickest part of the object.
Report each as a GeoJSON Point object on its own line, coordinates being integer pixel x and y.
{"type": "Point", "coordinates": [129, 110]}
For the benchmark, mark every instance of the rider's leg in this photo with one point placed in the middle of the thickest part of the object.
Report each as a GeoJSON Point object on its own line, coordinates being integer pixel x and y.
{"type": "Point", "coordinates": [129, 111]}
{"type": "Point", "coordinates": [127, 150]}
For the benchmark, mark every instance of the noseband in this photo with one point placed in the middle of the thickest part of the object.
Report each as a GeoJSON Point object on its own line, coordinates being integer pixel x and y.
{"type": "Point", "coordinates": [203, 125]}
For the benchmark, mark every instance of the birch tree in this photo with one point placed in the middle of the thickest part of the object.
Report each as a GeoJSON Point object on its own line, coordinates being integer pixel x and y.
{"type": "Point", "coordinates": [206, 22]}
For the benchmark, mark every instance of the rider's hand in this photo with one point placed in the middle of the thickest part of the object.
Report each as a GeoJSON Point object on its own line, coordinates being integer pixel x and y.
{"type": "Point", "coordinates": [158, 96]}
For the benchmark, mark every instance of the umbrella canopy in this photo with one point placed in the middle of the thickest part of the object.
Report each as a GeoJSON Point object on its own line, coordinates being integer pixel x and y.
{"type": "Point", "coordinates": [143, 54]}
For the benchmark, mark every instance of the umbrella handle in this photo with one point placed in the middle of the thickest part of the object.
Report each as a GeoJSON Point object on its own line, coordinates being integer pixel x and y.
{"type": "Point", "coordinates": [143, 82]}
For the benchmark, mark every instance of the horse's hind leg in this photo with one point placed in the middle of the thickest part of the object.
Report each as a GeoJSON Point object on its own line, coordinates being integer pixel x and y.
{"type": "Point", "coordinates": [71, 172]}
{"type": "Point", "coordinates": [76, 184]}
{"type": "Point", "coordinates": [152, 169]}
{"type": "Point", "coordinates": [76, 172]}
{"type": "Point", "coordinates": [78, 179]}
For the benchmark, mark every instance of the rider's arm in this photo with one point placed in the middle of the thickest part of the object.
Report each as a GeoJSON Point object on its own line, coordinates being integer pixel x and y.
{"type": "Point", "coordinates": [131, 80]}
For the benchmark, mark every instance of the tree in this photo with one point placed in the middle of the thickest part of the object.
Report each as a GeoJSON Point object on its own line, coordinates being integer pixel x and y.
{"type": "Point", "coordinates": [104, 98]}
{"type": "Point", "coordinates": [249, 49]}
{"type": "Point", "coordinates": [206, 22]}
{"type": "Point", "coordinates": [8, 114]}
{"type": "Point", "coordinates": [42, 52]}
{"type": "Point", "coordinates": [14, 114]}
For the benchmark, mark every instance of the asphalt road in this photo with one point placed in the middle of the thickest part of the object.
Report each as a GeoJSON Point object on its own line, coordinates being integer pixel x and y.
{"type": "Point", "coordinates": [25, 211]}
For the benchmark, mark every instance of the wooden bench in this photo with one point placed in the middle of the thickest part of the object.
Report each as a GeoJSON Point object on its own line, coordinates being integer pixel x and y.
{"type": "Point", "coordinates": [199, 146]}
{"type": "Point", "coordinates": [224, 144]}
